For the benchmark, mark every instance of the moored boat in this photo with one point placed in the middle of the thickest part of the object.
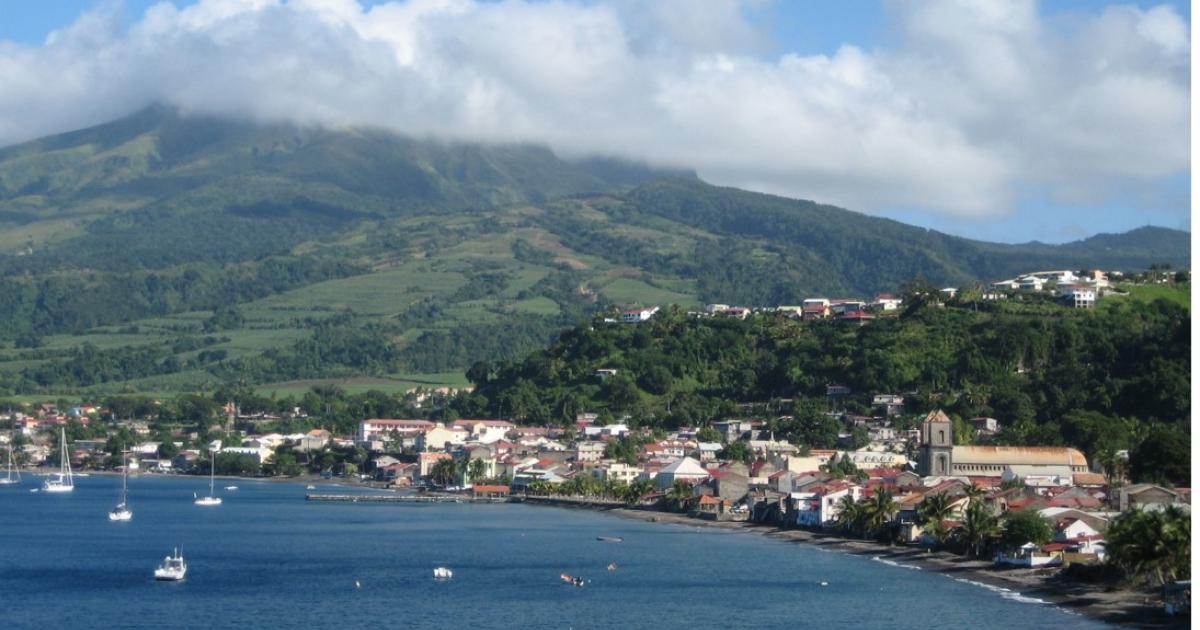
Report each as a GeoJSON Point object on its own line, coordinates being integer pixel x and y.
{"type": "Point", "coordinates": [172, 569]}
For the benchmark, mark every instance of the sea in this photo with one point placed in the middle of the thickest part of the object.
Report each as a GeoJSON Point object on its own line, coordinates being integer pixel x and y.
{"type": "Point", "coordinates": [266, 558]}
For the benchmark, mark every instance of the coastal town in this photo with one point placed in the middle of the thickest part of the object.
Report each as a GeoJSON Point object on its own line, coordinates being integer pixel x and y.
{"type": "Point", "coordinates": [905, 487]}
{"type": "Point", "coordinates": [896, 471]}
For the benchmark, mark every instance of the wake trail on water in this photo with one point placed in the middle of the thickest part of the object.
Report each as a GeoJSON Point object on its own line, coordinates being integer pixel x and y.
{"type": "Point", "coordinates": [893, 563]}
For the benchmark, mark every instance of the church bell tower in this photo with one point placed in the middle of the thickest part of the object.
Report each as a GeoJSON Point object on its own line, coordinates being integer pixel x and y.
{"type": "Point", "coordinates": [937, 445]}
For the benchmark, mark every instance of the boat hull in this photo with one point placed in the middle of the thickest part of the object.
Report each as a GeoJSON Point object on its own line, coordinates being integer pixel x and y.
{"type": "Point", "coordinates": [208, 501]}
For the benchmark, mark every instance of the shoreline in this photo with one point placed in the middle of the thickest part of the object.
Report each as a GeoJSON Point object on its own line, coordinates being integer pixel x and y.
{"type": "Point", "coordinates": [1117, 606]}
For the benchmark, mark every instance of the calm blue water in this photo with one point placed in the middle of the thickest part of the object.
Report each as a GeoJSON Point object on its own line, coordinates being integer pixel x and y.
{"type": "Point", "coordinates": [269, 559]}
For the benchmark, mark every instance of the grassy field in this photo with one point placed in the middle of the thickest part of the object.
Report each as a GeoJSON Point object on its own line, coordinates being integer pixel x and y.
{"type": "Point", "coordinates": [398, 384]}
{"type": "Point", "coordinates": [1180, 294]}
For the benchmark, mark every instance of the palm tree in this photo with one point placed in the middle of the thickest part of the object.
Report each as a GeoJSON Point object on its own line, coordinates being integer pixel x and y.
{"type": "Point", "coordinates": [978, 525]}
{"type": "Point", "coordinates": [850, 514]}
{"type": "Point", "coordinates": [1156, 544]}
{"type": "Point", "coordinates": [935, 509]}
{"type": "Point", "coordinates": [879, 510]}
{"type": "Point", "coordinates": [975, 494]}
{"type": "Point", "coordinates": [443, 472]}
{"type": "Point", "coordinates": [638, 489]}
{"type": "Point", "coordinates": [681, 494]}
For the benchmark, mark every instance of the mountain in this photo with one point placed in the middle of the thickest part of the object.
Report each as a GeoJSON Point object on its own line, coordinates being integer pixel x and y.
{"type": "Point", "coordinates": [165, 251]}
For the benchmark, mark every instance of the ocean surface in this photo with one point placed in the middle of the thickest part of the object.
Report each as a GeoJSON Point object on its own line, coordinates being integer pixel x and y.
{"type": "Point", "coordinates": [269, 559]}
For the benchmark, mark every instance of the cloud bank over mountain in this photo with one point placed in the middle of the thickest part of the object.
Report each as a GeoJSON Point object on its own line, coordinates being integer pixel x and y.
{"type": "Point", "coordinates": [967, 107]}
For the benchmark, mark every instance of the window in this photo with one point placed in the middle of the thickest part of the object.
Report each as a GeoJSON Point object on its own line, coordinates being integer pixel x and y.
{"type": "Point", "coordinates": [941, 437]}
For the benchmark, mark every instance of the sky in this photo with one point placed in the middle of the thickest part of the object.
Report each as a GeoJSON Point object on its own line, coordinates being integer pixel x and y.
{"type": "Point", "coordinates": [1003, 121]}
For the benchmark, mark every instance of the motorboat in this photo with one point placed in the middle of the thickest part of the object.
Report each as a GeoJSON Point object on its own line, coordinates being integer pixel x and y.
{"type": "Point", "coordinates": [442, 573]}
{"type": "Point", "coordinates": [63, 481]}
{"type": "Point", "coordinates": [231, 488]}
{"type": "Point", "coordinates": [172, 569]}
{"type": "Point", "coordinates": [212, 498]}
{"type": "Point", "coordinates": [573, 580]}
{"type": "Point", "coordinates": [610, 539]}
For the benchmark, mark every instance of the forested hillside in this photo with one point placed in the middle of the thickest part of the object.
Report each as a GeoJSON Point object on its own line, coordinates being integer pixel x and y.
{"type": "Point", "coordinates": [1107, 380]}
{"type": "Point", "coordinates": [164, 252]}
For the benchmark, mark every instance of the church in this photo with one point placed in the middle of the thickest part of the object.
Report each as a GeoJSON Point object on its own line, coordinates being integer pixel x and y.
{"type": "Point", "coordinates": [940, 457]}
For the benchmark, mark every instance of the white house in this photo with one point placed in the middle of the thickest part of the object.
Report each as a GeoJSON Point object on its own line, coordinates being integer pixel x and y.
{"type": "Point", "coordinates": [817, 506]}
{"type": "Point", "coordinates": [638, 315]}
{"type": "Point", "coordinates": [251, 449]}
{"type": "Point", "coordinates": [1030, 283]}
{"type": "Point", "coordinates": [617, 471]}
{"type": "Point", "coordinates": [683, 469]}
{"type": "Point", "coordinates": [1079, 297]}
{"type": "Point", "coordinates": [381, 429]}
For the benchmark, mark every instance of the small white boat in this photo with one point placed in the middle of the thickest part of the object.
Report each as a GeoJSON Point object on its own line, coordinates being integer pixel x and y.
{"type": "Point", "coordinates": [212, 498]}
{"type": "Point", "coordinates": [310, 487]}
{"type": "Point", "coordinates": [64, 481]}
{"type": "Point", "coordinates": [122, 511]}
{"type": "Point", "coordinates": [442, 573]}
{"type": "Point", "coordinates": [231, 488]}
{"type": "Point", "coordinates": [172, 569]}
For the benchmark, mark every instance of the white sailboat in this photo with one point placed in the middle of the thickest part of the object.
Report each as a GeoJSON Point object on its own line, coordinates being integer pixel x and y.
{"type": "Point", "coordinates": [63, 482]}
{"type": "Point", "coordinates": [211, 499]}
{"type": "Point", "coordinates": [122, 511]}
{"type": "Point", "coordinates": [172, 569]}
{"type": "Point", "coordinates": [9, 480]}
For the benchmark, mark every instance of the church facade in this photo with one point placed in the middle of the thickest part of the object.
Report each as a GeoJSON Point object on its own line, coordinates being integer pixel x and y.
{"type": "Point", "coordinates": [938, 456]}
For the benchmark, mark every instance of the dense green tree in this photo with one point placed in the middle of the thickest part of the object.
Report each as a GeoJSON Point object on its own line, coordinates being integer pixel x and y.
{"type": "Point", "coordinates": [1152, 544]}
{"type": "Point", "coordinates": [1026, 526]}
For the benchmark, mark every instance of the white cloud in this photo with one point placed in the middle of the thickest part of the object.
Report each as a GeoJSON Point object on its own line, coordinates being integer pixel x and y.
{"type": "Point", "coordinates": [969, 103]}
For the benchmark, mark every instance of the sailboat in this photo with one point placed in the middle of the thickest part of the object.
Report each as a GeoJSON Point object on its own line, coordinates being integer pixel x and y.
{"type": "Point", "coordinates": [65, 482]}
{"type": "Point", "coordinates": [122, 511]}
{"type": "Point", "coordinates": [10, 480]}
{"type": "Point", "coordinates": [211, 499]}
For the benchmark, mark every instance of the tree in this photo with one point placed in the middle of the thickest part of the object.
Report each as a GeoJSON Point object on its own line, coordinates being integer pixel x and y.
{"type": "Point", "coordinates": [444, 472]}
{"type": "Point", "coordinates": [850, 514]}
{"type": "Point", "coordinates": [738, 451]}
{"type": "Point", "coordinates": [933, 511]}
{"type": "Point", "coordinates": [1152, 544]}
{"type": "Point", "coordinates": [880, 509]}
{"type": "Point", "coordinates": [638, 489]}
{"type": "Point", "coordinates": [285, 464]}
{"type": "Point", "coordinates": [978, 525]}
{"type": "Point", "coordinates": [1165, 456]}
{"type": "Point", "coordinates": [1026, 526]}
{"type": "Point", "coordinates": [708, 434]}
{"type": "Point", "coordinates": [680, 494]}
{"type": "Point", "coordinates": [475, 469]}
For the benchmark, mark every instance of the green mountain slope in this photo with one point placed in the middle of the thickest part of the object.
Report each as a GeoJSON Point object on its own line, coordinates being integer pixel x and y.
{"type": "Point", "coordinates": [165, 252]}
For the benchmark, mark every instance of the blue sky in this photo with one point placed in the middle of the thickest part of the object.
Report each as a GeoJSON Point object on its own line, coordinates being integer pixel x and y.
{"type": "Point", "coordinates": [1026, 204]}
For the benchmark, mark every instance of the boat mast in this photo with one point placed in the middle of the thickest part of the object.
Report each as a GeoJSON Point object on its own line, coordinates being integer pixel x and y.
{"type": "Point", "coordinates": [65, 466]}
{"type": "Point", "coordinates": [212, 473]}
{"type": "Point", "coordinates": [124, 479]}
